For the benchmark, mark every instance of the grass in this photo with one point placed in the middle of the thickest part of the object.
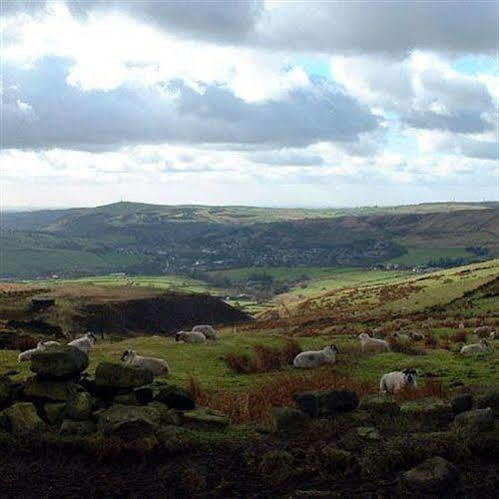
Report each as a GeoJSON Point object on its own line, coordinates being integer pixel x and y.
{"type": "Point", "coordinates": [421, 256]}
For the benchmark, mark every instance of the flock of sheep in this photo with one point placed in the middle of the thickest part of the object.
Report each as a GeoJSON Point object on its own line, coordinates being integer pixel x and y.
{"type": "Point", "coordinates": [390, 382]}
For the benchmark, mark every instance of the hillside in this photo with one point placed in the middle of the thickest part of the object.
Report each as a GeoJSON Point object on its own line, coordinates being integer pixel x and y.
{"type": "Point", "coordinates": [149, 239]}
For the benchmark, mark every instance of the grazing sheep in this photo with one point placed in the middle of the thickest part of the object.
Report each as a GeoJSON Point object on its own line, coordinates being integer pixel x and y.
{"type": "Point", "coordinates": [41, 345]}
{"type": "Point", "coordinates": [84, 343]}
{"type": "Point", "coordinates": [416, 336]}
{"type": "Point", "coordinates": [157, 366]}
{"type": "Point", "coordinates": [316, 358]}
{"type": "Point", "coordinates": [481, 346]}
{"type": "Point", "coordinates": [207, 330]}
{"type": "Point", "coordinates": [368, 343]}
{"type": "Point", "coordinates": [396, 380]}
{"type": "Point", "coordinates": [483, 330]}
{"type": "Point", "coordinates": [190, 337]}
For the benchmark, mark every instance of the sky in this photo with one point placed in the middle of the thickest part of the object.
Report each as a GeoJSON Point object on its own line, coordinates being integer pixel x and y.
{"type": "Point", "coordinates": [265, 103]}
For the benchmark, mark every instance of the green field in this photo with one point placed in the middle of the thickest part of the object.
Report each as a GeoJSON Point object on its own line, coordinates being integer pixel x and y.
{"type": "Point", "coordinates": [421, 256]}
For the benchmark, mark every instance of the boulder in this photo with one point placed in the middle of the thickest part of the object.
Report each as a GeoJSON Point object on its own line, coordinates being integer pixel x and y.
{"type": "Point", "coordinates": [368, 433]}
{"type": "Point", "coordinates": [462, 402]}
{"type": "Point", "coordinates": [206, 418]}
{"type": "Point", "coordinates": [6, 390]}
{"type": "Point", "coordinates": [488, 397]}
{"type": "Point", "coordinates": [138, 396]}
{"type": "Point", "coordinates": [430, 411]}
{"type": "Point", "coordinates": [61, 362]}
{"type": "Point", "coordinates": [336, 460]}
{"type": "Point", "coordinates": [167, 416]}
{"type": "Point", "coordinates": [77, 428]}
{"type": "Point", "coordinates": [50, 389]}
{"type": "Point", "coordinates": [476, 420]}
{"type": "Point", "coordinates": [79, 406]}
{"type": "Point", "coordinates": [277, 466]}
{"type": "Point", "coordinates": [117, 376]}
{"type": "Point", "coordinates": [22, 418]}
{"type": "Point", "coordinates": [335, 401]}
{"type": "Point", "coordinates": [289, 420]}
{"type": "Point", "coordinates": [309, 402]}
{"type": "Point", "coordinates": [431, 476]}
{"type": "Point", "coordinates": [54, 412]}
{"type": "Point", "coordinates": [379, 405]}
{"type": "Point", "coordinates": [129, 422]}
{"type": "Point", "coordinates": [176, 398]}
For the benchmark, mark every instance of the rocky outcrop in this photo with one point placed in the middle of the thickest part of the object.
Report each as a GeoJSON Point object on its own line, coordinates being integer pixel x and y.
{"type": "Point", "coordinates": [59, 362]}
{"type": "Point", "coordinates": [117, 376]}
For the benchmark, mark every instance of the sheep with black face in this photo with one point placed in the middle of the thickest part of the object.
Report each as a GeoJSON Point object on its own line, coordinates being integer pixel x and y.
{"type": "Point", "coordinates": [84, 343]}
{"type": "Point", "coordinates": [397, 380]}
{"type": "Point", "coordinates": [158, 367]}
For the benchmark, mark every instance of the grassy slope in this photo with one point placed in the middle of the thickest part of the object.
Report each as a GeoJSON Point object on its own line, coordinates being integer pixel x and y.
{"type": "Point", "coordinates": [205, 362]}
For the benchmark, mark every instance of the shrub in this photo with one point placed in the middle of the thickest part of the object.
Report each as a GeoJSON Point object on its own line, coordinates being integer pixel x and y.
{"type": "Point", "coordinates": [289, 351]}
{"type": "Point", "coordinates": [404, 347]}
{"type": "Point", "coordinates": [431, 341]}
{"type": "Point", "coordinates": [459, 337]}
{"type": "Point", "coordinates": [267, 359]}
{"type": "Point", "coordinates": [240, 364]}
{"type": "Point", "coordinates": [23, 343]}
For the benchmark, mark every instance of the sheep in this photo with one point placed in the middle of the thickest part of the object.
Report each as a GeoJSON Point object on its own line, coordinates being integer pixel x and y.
{"type": "Point", "coordinates": [481, 346]}
{"type": "Point", "coordinates": [396, 380]}
{"type": "Point", "coordinates": [493, 335]}
{"type": "Point", "coordinates": [315, 358]}
{"type": "Point", "coordinates": [157, 366]}
{"type": "Point", "coordinates": [368, 343]}
{"type": "Point", "coordinates": [416, 336]}
{"type": "Point", "coordinates": [207, 330]}
{"type": "Point", "coordinates": [190, 337]}
{"type": "Point", "coordinates": [41, 345]}
{"type": "Point", "coordinates": [84, 343]}
{"type": "Point", "coordinates": [483, 331]}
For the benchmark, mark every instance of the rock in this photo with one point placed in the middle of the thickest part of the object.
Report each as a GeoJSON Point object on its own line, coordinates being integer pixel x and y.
{"type": "Point", "coordinates": [109, 375]}
{"type": "Point", "coordinates": [379, 405]}
{"type": "Point", "coordinates": [58, 391]}
{"type": "Point", "coordinates": [309, 402]}
{"type": "Point", "coordinates": [167, 416]}
{"type": "Point", "coordinates": [129, 422]}
{"type": "Point", "coordinates": [277, 466]}
{"type": "Point", "coordinates": [6, 390]}
{"type": "Point", "coordinates": [206, 418]}
{"type": "Point", "coordinates": [298, 494]}
{"type": "Point", "coordinates": [368, 433]}
{"type": "Point", "coordinates": [54, 412]}
{"type": "Point", "coordinates": [488, 397]}
{"type": "Point", "coordinates": [176, 398]}
{"type": "Point", "coordinates": [430, 411]}
{"type": "Point", "coordinates": [336, 460]}
{"type": "Point", "coordinates": [22, 418]}
{"type": "Point", "coordinates": [77, 428]}
{"type": "Point", "coordinates": [79, 406]}
{"type": "Point", "coordinates": [476, 420]}
{"type": "Point", "coordinates": [431, 476]}
{"type": "Point", "coordinates": [289, 420]}
{"type": "Point", "coordinates": [335, 401]}
{"type": "Point", "coordinates": [138, 396]}
{"type": "Point", "coordinates": [63, 362]}
{"type": "Point", "coordinates": [462, 402]}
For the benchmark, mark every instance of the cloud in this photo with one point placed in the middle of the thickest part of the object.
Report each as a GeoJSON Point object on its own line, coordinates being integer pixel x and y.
{"type": "Point", "coordinates": [64, 116]}
{"type": "Point", "coordinates": [286, 157]}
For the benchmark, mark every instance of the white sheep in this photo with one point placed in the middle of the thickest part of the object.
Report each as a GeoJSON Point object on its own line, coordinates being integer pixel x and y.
{"type": "Point", "coordinates": [396, 380]}
{"type": "Point", "coordinates": [41, 345]}
{"type": "Point", "coordinates": [207, 330]}
{"type": "Point", "coordinates": [483, 329]}
{"type": "Point", "coordinates": [368, 343]}
{"type": "Point", "coordinates": [157, 366]}
{"type": "Point", "coordinates": [190, 337]}
{"type": "Point", "coordinates": [316, 358]}
{"type": "Point", "coordinates": [84, 343]}
{"type": "Point", "coordinates": [482, 346]}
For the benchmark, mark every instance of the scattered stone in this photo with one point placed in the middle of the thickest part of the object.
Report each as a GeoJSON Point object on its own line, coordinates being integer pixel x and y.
{"type": "Point", "coordinates": [289, 420]}
{"type": "Point", "coordinates": [368, 433]}
{"type": "Point", "coordinates": [461, 403]}
{"type": "Point", "coordinates": [297, 494]}
{"type": "Point", "coordinates": [176, 398]}
{"type": "Point", "coordinates": [139, 396]}
{"type": "Point", "coordinates": [309, 402]}
{"type": "Point", "coordinates": [277, 466]}
{"type": "Point", "coordinates": [379, 405]}
{"type": "Point", "coordinates": [58, 391]}
{"type": "Point", "coordinates": [128, 422]}
{"type": "Point", "coordinates": [336, 460]}
{"type": "Point", "coordinates": [488, 397]}
{"type": "Point", "coordinates": [22, 418]}
{"type": "Point", "coordinates": [77, 428]}
{"type": "Point", "coordinates": [6, 389]}
{"type": "Point", "coordinates": [433, 475]}
{"type": "Point", "coordinates": [54, 412]}
{"type": "Point", "coordinates": [207, 418]}
{"type": "Point", "coordinates": [335, 401]}
{"type": "Point", "coordinates": [430, 411]}
{"type": "Point", "coordinates": [79, 406]}
{"type": "Point", "coordinates": [167, 416]}
{"type": "Point", "coordinates": [62, 362]}
{"type": "Point", "coordinates": [109, 375]}
{"type": "Point", "coordinates": [476, 420]}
